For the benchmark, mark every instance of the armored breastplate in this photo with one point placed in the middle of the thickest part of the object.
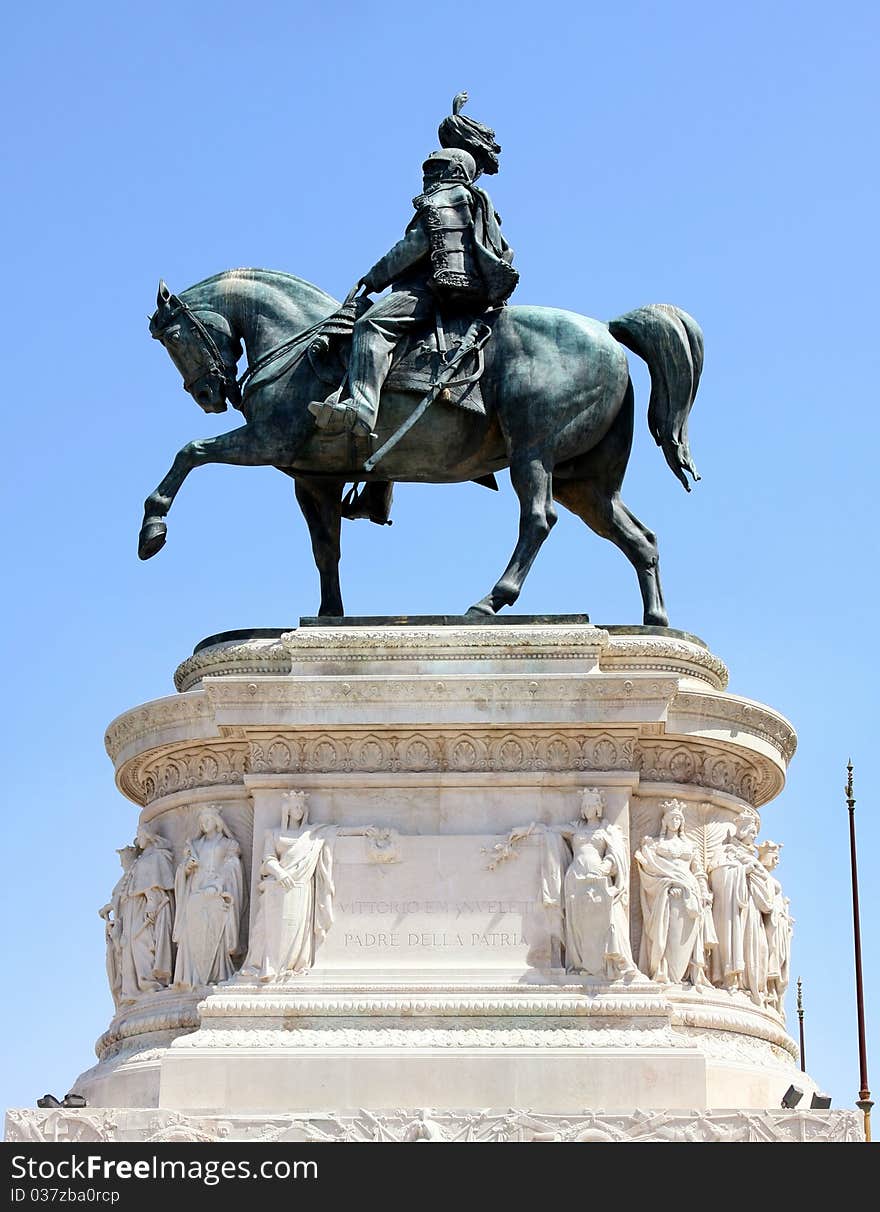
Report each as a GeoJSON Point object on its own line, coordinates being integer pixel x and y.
{"type": "Point", "coordinates": [446, 215]}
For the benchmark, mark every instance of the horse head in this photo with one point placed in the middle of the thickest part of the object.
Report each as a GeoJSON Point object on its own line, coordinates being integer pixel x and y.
{"type": "Point", "coordinates": [202, 346]}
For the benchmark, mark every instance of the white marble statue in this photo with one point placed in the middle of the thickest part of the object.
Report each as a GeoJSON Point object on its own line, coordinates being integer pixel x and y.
{"type": "Point", "coordinates": [585, 875]}
{"type": "Point", "coordinates": [146, 911]}
{"type": "Point", "coordinates": [778, 925]}
{"type": "Point", "coordinates": [677, 926]}
{"type": "Point", "coordinates": [741, 895]}
{"type": "Point", "coordinates": [295, 906]}
{"type": "Point", "coordinates": [112, 915]}
{"type": "Point", "coordinates": [209, 892]}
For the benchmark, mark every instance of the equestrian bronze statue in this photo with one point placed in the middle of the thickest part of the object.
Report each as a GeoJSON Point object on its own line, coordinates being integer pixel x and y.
{"type": "Point", "coordinates": [440, 381]}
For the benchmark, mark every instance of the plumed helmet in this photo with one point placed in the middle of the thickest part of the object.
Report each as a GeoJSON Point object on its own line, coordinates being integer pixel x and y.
{"type": "Point", "coordinates": [454, 157]}
{"type": "Point", "coordinates": [458, 130]}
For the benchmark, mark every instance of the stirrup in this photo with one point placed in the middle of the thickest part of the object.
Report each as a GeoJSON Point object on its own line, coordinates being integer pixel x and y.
{"type": "Point", "coordinates": [357, 503]}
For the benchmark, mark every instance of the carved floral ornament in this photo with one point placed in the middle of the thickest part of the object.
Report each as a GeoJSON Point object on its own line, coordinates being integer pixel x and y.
{"type": "Point", "coordinates": [664, 760]}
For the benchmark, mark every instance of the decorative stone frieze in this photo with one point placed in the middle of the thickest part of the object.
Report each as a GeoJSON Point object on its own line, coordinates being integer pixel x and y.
{"type": "Point", "coordinates": [429, 1125]}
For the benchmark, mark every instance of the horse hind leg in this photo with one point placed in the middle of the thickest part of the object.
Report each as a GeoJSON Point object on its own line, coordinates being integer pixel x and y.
{"type": "Point", "coordinates": [533, 483]}
{"type": "Point", "coordinates": [606, 514]}
{"type": "Point", "coordinates": [320, 502]}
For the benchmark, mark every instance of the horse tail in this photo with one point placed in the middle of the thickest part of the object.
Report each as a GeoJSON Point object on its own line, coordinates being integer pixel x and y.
{"type": "Point", "coordinates": [671, 342]}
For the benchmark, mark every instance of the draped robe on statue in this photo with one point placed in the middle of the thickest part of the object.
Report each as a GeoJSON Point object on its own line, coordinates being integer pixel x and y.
{"type": "Point", "coordinates": [756, 949]}
{"type": "Point", "coordinates": [147, 911]}
{"type": "Point", "coordinates": [591, 916]}
{"type": "Point", "coordinates": [741, 895]}
{"type": "Point", "coordinates": [677, 930]}
{"type": "Point", "coordinates": [290, 923]}
{"type": "Point", "coordinates": [209, 902]}
{"type": "Point", "coordinates": [730, 892]}
{"type": "Point", "coordinates": [778, 927]}
{"type": "Point", "coordinates": [113, 935]}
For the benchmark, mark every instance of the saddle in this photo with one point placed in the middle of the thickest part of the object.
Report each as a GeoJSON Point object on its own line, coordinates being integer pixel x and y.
{"type": "Point", "coordinates": [420, 362]}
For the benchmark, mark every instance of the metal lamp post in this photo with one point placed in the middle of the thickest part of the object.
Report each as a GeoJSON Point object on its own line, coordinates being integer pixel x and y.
{"type": "Point", "coordinates": [864, 1101]}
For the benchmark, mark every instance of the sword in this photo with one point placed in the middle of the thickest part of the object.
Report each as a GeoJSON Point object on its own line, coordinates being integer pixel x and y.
{"type": "Point", "coordinates": [475, 337]}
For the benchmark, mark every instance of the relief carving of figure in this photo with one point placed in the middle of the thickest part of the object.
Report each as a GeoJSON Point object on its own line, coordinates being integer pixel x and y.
{"type": "Point", "coordinates": [295, 905]}
{"type": "Point", "coordinates": [112, 915]}
{"type": "Point", "coordinates": [209, 891]}
{"type": "Point", "coordinates": [147, 909]}
{"type": "Point", "coordinates": [678, 930]}
{"type": "Point", "coordinates": [741, 897]}
{"type": "Point", "coordinates": [585, 874]}
{"type": "Point", "coordinates": [778, 924]}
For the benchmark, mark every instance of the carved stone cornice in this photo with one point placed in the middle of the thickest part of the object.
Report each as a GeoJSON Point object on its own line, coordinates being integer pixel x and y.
{"type": "Point", "coordinates": [742, 715]}
{"type": "Point", "coordinates": [335, 701]}
{"type": "Point", "coordinates": [161, 720]}
{"type": "Point", "coordinates": [594, 701]}
{"type": "Point", "coordinates": [244, 658]}
{"type": "Point", "coordinates": [492, 1034]}
{"type": "Point", "coordinates": [151, 1015]}
{"type": "Point", "coordinates": [445, 643]}
{"type": "Point", "coordinates": [613, 651]}
{"type": "Point", "coordinates": [262, 1002]}
{"type": "Point", "coordinates": [526, 751]}
{"type": "Point", "coordinates": [663, 654]}
{"type": "Point", "coordinates": [739, 1020]}
{"type": "Point", "coordinates": [297, 1014]}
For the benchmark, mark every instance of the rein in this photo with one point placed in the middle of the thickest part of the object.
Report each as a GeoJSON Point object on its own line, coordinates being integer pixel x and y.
{"type": "Point", "coordinates": [291, 343]}
{"type": "Point", "coordinates": [273, 355]}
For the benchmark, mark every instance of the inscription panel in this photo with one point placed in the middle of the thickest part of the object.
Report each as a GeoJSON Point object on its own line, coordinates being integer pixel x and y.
{"type": "Point", "coordinates": [436, 904]}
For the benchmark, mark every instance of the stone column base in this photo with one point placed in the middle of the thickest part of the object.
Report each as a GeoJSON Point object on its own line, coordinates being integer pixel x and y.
{"type": "Point", "coordinates": [439, 759]}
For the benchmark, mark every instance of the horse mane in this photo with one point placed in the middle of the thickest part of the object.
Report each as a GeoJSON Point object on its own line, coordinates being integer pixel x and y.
{"type": "Point", "coordinates": [273, 277]}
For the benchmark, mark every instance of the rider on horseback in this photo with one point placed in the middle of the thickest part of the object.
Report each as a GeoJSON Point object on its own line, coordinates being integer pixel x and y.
{"type": "Point", "coordinates": [453, 255]}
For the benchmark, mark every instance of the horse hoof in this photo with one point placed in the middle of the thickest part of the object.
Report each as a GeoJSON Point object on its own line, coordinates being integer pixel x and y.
{"type": "Point", "coordinates": [152, 539]}
{"type": "Point", "coordinates": [480, 611]}
{"type": "Point", "coordinates": [656, 619]}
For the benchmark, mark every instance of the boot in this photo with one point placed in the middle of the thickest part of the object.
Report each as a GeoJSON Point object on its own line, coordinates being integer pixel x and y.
{"type": "Point", "coordinates": [343, 416]}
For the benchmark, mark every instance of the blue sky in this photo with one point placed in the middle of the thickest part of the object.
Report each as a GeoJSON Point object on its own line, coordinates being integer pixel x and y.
{"type": "Point", "coordinates": [720, 158]}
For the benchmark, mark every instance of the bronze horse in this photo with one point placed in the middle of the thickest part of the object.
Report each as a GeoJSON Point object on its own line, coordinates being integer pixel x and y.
{"type": "Point", "coordinates": [559, 413]}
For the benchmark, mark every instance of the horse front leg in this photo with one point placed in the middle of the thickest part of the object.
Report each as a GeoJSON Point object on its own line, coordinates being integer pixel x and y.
{"type": "Point", "coordinates": [533, 483]}
{"type": "Point", "coordinates": [321, 503]}
{"type": "Point", "coordinates": [239, 446]}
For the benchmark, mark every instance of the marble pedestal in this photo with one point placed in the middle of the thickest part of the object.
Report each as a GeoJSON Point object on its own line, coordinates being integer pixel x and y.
{"type": "Point", "coordinates": [441, 983]}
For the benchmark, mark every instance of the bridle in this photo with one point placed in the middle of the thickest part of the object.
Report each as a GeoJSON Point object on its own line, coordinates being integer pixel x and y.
{"type": "Point", "coordinates": [212, 361]}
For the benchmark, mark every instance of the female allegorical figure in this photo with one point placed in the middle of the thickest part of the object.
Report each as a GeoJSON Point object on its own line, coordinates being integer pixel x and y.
{"type": "Point", "coordinates": [741, 896]}
{"type": "Point", "coordinates": [147, 909]}
{"type": "Point", "coordinates": [112, 915]}
{"type": "Point", "coordinates": [295, 908]}
{"type": "Point", "coordinates": [597, 894]}
{"type": "Point", "coordinates": [591, 888]}
{"type": "Point", "coordinates": [677, 930]}
{"type": "Point", "coordinates": [778, 924]}
{"type": "Point", "coordinates": [209, 891]}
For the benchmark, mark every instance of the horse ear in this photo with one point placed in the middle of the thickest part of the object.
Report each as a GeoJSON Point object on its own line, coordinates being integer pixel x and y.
{"type": "Point", "coordinates": [164, 295]}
